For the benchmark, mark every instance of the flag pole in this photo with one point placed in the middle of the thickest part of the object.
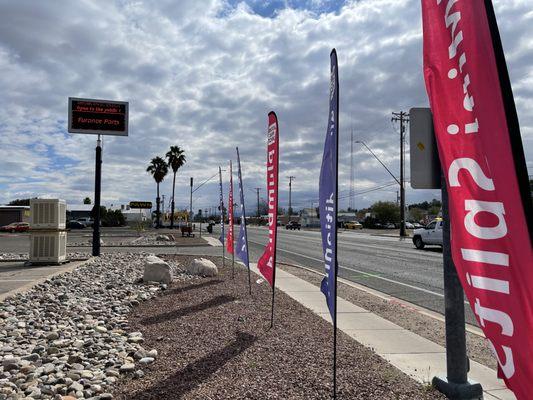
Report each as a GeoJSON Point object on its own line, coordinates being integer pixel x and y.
{"type": "Point", "coordinates": [336, 234]}
{"type": "Point", "coordinates": [275, 224]}
{"type": "Point", "coordinates": [230, 209]}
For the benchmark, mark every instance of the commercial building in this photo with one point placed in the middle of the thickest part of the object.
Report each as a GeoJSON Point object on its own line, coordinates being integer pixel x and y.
{"type": "Point", "coordinates": [9, 214]}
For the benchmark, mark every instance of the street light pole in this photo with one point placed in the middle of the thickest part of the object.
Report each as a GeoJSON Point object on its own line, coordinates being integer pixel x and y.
{"type": "Point", "coordinates": [290, 195]}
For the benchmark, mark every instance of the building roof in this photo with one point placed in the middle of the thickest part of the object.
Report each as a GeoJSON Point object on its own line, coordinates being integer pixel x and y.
{"type": "Point", "coordinates": [80, 207]}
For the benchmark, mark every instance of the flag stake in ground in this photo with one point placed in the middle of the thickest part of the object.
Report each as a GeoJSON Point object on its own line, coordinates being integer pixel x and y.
{"type": "Point", "coordinates": [242, 241]}
{"type": "Point", "coordinates": [267, 262]}
{"type": "Point", "coordinates": [328, 206]}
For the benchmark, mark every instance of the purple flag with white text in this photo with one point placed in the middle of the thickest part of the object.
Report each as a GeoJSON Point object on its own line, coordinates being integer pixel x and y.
{"type": "Point", "coordinates": [328, 191]}
{"type": "Point", "coordinates": [221, 238]}
{"type": "Point", "coordinates": [242, 241]}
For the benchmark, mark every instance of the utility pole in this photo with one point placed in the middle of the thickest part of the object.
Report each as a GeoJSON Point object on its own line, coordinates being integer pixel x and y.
{"type": "Point", "coordinates": [190, 206]}
{"type": "Point", "coordinates": [257, 190]}
{"type": "Point", "coordinates": [351, 203]}
{"type": "Point", "coordinates": [290, 195]}
{"type": "Point", "coordinates": [401, 117]}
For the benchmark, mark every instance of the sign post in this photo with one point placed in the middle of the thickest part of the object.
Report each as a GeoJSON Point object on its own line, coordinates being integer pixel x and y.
{"type": "Point", "coordinates": [425, 170]}
{"type": "Point", "coordinates": [97, 117]}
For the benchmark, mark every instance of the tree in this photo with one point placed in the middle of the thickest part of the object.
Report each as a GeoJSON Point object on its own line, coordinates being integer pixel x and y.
{"type": "Point", "coordinates": [87, 200]}
{"type": "Point", "coordinates": [159, 169]}
{"type": "Point", "coordinates": [176, 160]}
{"type": "Point", "coordinates": [113, 218]}
{"type": "Point", "coordinates": [386, 211]}
{"type": "Point", "coordinates": [417, 213]}
{"type": "Point", "coordinates": [19, 202]}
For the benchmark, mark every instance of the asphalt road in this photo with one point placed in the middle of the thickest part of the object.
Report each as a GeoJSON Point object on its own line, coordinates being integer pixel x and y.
{"type": "Point", "coordinates": [387, 264]}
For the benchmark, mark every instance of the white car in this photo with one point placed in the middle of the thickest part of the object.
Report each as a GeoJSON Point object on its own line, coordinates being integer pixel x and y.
{"type": "Point", "coordinates": [409, 225]}
{"type": "Point", "coordinates": [430, 234]}
{"type": "Point", "coordinates": [86, 221]}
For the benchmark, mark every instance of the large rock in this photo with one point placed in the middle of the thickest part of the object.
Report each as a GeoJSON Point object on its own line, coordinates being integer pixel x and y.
{"type": "Point", "coordinates": [157, 270]}
{"type": "Point", "coordinates": [162, 238]}
{"type": "Point", "coordinates": [202, 266]}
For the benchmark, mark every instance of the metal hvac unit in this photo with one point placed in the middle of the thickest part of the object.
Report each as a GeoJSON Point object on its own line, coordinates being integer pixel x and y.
{"type": "Point", "coordinates": [48, 214]}
{"type": "Point", "coordinates": [48, 238]}
{"type": "Point", "coordinates": [48, 247]}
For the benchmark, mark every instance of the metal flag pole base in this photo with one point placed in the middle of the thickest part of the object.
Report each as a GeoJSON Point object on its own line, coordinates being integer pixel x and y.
{"type": "Point", "coordinates": [460, 391]}
{"type": "Point", "coordinates": [249, 282]}
{"type": "Point", "coordinates": [456, 384]}
{"type": "Point", "coordinates": [272, 314]}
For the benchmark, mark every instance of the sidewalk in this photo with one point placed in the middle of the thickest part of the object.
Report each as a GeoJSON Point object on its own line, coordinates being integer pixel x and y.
{"type": "Point", "coordinates": [16, 277]}
{"type": "Point", "coordinates": [416, 356]}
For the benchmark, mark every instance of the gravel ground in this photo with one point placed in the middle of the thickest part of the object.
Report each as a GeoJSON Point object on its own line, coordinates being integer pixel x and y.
{"type": "Point", "coordinates": [214, 342]}
{"type": "Point", "coordinates": [425, 326]}
{"type": "Point", "coordinates": [70, 334]}
{"type": "Point", "coordinates": [72, 256]}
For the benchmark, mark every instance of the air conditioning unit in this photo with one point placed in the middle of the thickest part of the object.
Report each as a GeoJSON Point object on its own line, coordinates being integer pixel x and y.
{"type": "Point", "coordinates": [48, 214]}
{"type": "Point", "coordinates": [48, 247]}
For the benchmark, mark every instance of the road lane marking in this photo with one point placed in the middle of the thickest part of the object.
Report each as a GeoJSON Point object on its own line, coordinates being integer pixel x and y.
{"type": "Point", "coordinates": [363, 272]}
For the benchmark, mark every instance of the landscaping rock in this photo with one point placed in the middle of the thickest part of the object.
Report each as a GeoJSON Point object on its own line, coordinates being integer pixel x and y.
{"type": "Point", "coordinates": [203, 267]}
{"type": "Point", "coordinates": [157, 270]}
{"type": "Point", "coordinates": [69, 336]}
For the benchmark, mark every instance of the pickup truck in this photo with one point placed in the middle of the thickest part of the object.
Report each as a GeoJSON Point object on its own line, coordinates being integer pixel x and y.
{"type": "Point", "coordinates": [430, 234]}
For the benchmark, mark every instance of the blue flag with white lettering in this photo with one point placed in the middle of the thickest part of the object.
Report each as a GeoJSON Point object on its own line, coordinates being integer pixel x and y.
{"type": "Point", "coordinates": [221, 238]}
{"type": "Point", "coordinates": [328, 191]}
{"type": "Point", "coordinates": [242, 240]}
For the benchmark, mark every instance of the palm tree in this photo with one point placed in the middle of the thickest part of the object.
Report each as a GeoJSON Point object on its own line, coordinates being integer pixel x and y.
{"type": "Point", "coordinates": [159, 169]}
{"type": "Point", "coordinates": [176, 160]}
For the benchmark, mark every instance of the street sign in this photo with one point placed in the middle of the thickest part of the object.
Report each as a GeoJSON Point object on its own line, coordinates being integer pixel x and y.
{"type": "Point", "coordinates": [98, 117]}
{"type": "Point", "coordinates": [425, 163]}
{"type": "Point", "coordinates": [141, 204]}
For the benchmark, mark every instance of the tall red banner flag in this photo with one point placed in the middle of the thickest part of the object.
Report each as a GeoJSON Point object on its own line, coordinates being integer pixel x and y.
{"type": "Point", "coordinates": [267, 262]}
{"type": "Point", "coordinates": [482, 160]}
{"type": "Point", "coordinates": [229, 238]}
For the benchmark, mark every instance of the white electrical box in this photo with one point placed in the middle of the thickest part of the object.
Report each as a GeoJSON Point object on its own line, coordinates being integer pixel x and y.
{"type": "Point", "coordinates": [48, 214]}
{"type": "Point", "coordinates": [48, 247]}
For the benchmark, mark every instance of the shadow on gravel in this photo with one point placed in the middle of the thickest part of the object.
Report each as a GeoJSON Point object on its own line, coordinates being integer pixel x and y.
{"type": "Point", "coordinates": [217, 301]}
{"type": "Point", "coordinates": [179, 290]}
{"type": "Point", "coordinates": [194, 374]}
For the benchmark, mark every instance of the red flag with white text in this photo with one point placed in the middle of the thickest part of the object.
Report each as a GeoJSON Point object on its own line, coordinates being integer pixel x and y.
{"type": "Point", "coordinates": [267, 262]}
{"type": "Point", "coordinates": [482, 160]}
{"type": "Point", "coordinates": [229, 237]}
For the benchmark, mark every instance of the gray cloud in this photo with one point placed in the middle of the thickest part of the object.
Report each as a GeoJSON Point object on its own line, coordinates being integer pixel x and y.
{"type": "Point", "coordinates": [204, 75]}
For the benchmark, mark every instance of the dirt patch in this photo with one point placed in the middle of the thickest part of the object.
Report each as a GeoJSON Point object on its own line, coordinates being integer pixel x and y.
{"type": "Point", "coordinates": [214, 342]}
{"type": "Point", "coordinates": [425, 326]}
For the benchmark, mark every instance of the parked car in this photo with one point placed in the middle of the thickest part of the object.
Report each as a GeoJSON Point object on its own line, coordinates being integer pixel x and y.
{"type": "Point", "coordinates": [417, 225]}
{"type": "Point", "coordinates": [353, 225]}
{"type": "Point", "coordinates": [430, 234]}
{"type": "Point", "coordinates": [409, 225]}
{"type": "Point", "coordinates": [75, 225]}
{"type": "Point", "coordinates": [86, 221]}
{"type": "Point", "coordinates": [389, 225]}
{"type": "Point", "coordinates": [293, 225]}
{"type": "Point", "coordinates": [16, 227]}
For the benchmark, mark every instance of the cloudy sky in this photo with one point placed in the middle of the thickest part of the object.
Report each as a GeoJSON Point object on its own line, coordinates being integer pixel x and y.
{"type": "Point", "coordinates": [203, 75]}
